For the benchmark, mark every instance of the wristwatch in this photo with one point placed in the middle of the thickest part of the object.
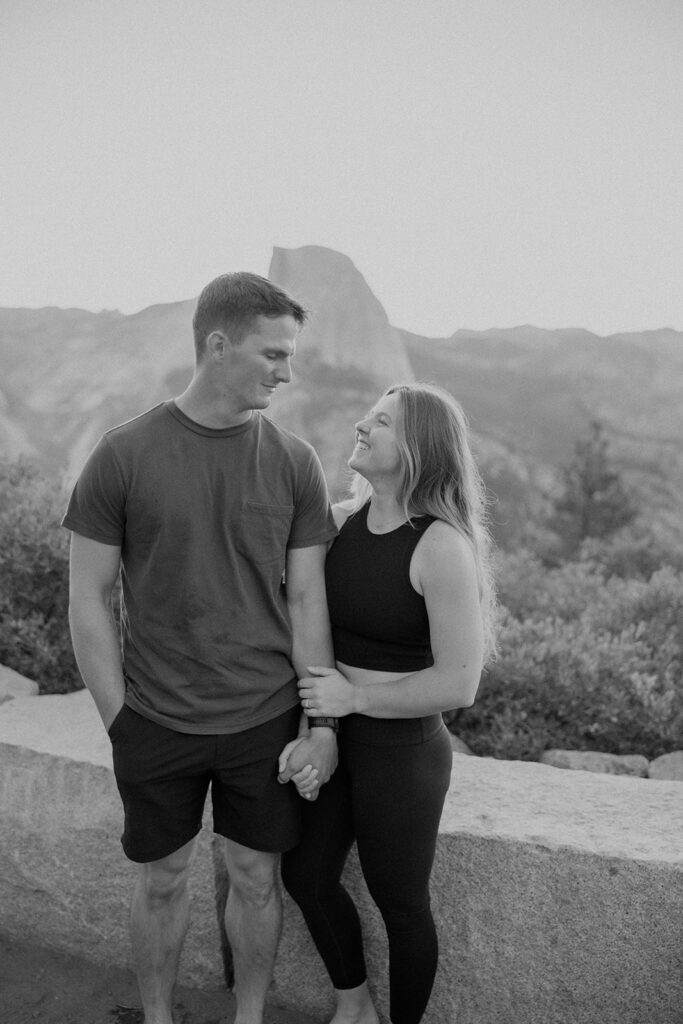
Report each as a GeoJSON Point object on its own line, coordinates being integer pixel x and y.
{"type": "Point", "coordinates": [332, 723]}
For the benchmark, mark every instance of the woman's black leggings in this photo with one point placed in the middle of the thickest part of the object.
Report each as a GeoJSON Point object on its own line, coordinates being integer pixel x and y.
{"type": "Point", "coordinates": [387, 793]}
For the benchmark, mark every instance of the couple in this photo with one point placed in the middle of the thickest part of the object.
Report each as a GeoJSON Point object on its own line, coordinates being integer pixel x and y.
{"type": "Point", "coordinates": [218, 523]}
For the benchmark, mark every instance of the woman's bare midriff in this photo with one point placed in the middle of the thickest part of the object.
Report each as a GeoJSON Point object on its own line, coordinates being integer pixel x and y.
{"type": "Point", "coordinates": [368, 676]}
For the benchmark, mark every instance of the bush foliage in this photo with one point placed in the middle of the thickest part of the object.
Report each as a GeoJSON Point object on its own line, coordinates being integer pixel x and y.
{"type": "Point", "coordinates": [34, 563]}
{"type": "Point", "coordinates": [588, 660]}
{"type": "Point", "coordinates": [591, 628]}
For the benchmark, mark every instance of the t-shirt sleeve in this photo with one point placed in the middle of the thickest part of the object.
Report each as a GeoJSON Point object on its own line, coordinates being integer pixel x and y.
{"type": "Point", "coordinates": [313, 522]}
{"type": "Point", "coordinates": [97, 506]}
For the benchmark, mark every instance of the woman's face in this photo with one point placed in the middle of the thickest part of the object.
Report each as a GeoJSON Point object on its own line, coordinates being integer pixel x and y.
{"type": "Point", "coordinates": [376, 454]}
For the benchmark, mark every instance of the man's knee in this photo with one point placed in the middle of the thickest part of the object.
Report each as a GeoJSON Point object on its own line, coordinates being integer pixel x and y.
{"type": "Point", "coordinates": [165, 880]}
{"type": "Point", "coordinates": [253, 873]}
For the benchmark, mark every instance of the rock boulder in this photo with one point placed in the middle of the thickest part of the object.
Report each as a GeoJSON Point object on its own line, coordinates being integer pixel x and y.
{"type": "Point", "coordinates": [595, 761]}
{"type": "Point", "coordinates": [668, 766]}
{"type": "Point", "coordinates": [14, 685]}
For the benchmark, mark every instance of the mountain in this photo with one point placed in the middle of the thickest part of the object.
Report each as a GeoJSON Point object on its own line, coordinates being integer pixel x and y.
{"type": "Point", "coordinates": [66, 375]}
{"type": "Point", "coordinates": [349, 327]}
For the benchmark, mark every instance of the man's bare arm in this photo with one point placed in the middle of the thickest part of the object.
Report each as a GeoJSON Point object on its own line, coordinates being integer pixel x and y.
{"type": "Point", "coordinates": [94, 569]}
{"type": "Point", "coordinates": [307, 605]}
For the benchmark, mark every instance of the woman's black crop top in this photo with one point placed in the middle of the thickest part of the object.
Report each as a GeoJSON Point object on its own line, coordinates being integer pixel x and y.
{"type": "Point", "coordinates": [378, 620]}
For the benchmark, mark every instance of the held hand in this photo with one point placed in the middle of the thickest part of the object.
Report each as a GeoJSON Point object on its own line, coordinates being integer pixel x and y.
{"type": "Point", "coordinates": [306, 782]}
{"type": "Point", "coordinates": [327, 692]}
{"type": "Point", "coordinates": [317, 750]}
{"type": "Point", "coordinates": [284, 757]}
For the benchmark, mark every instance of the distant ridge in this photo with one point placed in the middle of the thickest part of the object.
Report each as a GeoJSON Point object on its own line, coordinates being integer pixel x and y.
{"type": "Point", "coordinates": [66, 375]}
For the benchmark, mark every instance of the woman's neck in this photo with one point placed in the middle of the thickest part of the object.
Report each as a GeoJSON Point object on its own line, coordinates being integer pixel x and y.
{"type": "Point", "coordinates": [385, 513]}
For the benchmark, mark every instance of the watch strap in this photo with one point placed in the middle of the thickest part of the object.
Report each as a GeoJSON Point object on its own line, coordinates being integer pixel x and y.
{"type": "Point", "coordinates": [331, 723]}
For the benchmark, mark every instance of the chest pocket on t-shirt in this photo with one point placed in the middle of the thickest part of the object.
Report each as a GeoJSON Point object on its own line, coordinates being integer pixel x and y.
{"type": "Point", "coordinates": [264, 531]}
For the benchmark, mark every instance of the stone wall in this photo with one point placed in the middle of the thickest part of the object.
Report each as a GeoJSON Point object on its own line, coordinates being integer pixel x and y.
{"type": "Point", "coordinates": [558, 894]}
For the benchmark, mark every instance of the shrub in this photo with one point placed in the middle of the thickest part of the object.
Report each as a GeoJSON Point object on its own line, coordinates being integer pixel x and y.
{"type": "Point", "coordinates": [34, 632]}
{"type": "Point", "coordinates": [586, 661]}
{"type": "Point", "coordinates": [637, 550]}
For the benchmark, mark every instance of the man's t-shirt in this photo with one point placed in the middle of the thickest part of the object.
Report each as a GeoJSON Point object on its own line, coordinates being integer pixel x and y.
{"type": "Point", "coordinates": [204, 518]}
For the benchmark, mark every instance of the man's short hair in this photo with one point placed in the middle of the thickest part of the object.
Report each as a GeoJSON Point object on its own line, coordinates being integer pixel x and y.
{"type": "Point", "coordinates": [232, 302]}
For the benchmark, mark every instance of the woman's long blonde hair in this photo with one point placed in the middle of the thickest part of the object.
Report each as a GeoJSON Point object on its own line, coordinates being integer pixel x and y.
{"type": "Point", "coordinates": [440, 478]}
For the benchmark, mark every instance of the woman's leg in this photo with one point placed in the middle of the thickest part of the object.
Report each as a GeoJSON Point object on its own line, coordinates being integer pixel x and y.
{"type": "Point", "coordinates": [311, 874]}
{"type": "Point", "coordinates": [398, 797]}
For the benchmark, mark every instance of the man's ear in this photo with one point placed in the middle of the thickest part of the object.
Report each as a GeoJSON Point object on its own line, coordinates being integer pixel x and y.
{"type": "Point", "coordinates": [217, 344]}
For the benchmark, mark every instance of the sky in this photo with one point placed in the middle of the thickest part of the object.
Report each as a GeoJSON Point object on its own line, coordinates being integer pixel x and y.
{"type": "Point", "coordinates": [482, 162]}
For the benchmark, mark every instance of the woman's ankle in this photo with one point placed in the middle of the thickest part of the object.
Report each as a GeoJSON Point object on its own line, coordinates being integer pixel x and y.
{"type": "Point", "coordinates": [355, 1006]}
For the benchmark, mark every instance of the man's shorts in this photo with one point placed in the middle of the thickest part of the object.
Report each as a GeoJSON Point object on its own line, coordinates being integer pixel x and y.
{"type": "Point", "coordinates": [163, 777]}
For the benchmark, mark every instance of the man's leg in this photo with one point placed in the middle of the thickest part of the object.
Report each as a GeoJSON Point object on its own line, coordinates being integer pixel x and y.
{"type": "Point", "coordinates": [159, 918]}
{"type": "Point", "coordinates": [253, 920]}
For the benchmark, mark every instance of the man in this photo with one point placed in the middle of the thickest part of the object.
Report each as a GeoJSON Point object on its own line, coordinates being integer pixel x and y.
{"type": "Point", "coordinates": [203, 504]}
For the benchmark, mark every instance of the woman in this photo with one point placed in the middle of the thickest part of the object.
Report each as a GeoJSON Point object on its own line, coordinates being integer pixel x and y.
{"type": "Point", "coordinates": [410, 599]}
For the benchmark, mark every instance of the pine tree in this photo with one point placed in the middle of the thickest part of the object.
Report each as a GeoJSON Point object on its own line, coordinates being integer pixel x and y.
{"type": "Point", "coordinates": [594, 501]}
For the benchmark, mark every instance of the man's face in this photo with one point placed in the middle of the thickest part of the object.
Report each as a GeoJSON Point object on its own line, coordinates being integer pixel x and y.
{"type": "Point", "coordinates": [256, 365]}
